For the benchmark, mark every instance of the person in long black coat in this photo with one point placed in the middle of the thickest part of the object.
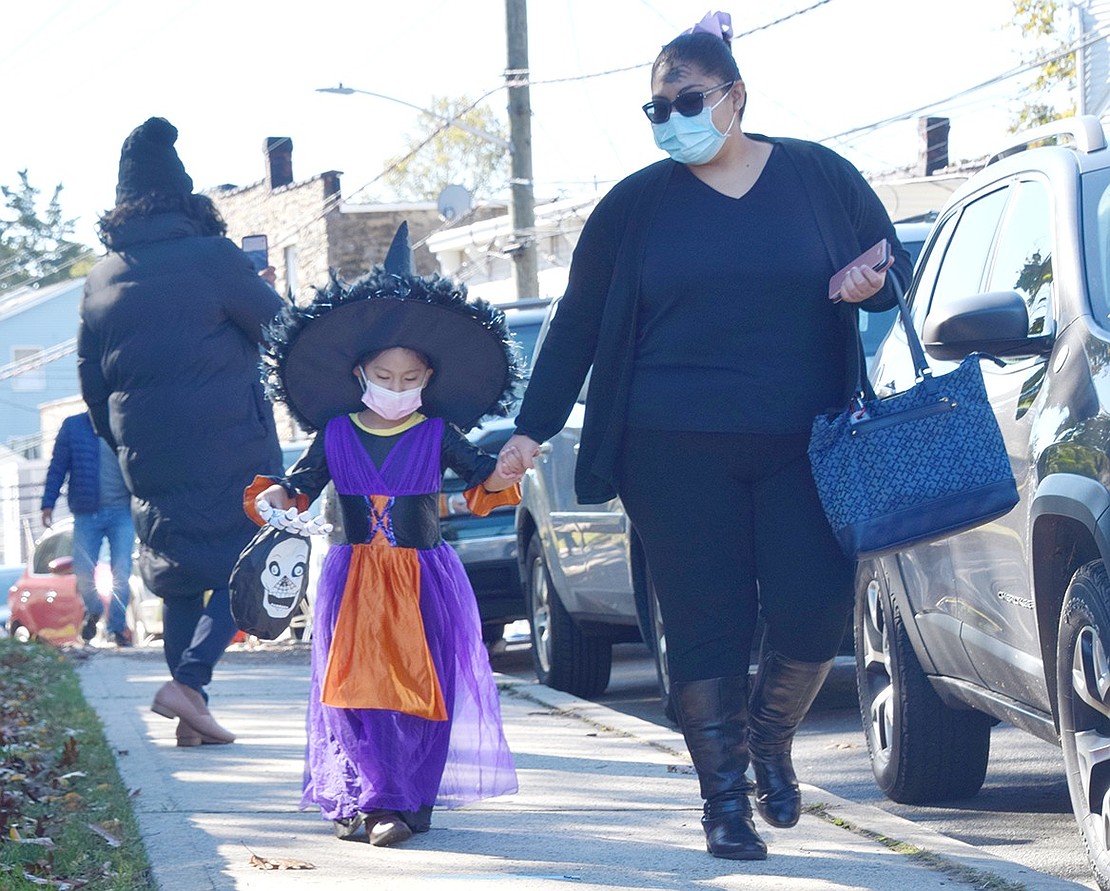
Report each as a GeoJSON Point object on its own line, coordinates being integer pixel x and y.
{"type": "Point", "coordinates": [170, 324]}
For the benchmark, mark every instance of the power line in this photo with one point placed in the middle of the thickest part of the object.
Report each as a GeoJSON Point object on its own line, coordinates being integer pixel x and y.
{"type": "Point", "coordinates": [1013, 72]}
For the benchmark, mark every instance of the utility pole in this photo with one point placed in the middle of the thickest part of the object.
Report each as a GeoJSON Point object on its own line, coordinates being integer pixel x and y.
{"type": "Point", "coordinates": [525, 267]}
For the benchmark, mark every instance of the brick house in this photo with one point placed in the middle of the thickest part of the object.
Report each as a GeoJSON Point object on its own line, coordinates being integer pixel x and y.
{"type": "Point", "coordinates": [310, 227]}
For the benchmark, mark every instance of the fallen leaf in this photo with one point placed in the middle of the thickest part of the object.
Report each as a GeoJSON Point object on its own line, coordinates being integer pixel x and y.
{"type": "Point", "coordinates": [112, 840]}
{"type": "Point", "coordinates": [44, 842]}
{"type": "Point", "coordinates": [279, 863]}
{"type": "Point", "coordinates": [69, 753]}
{"type": "Point", "coordinates": [72, 774]}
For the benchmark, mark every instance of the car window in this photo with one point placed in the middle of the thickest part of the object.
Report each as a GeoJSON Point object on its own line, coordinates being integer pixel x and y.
{"type": "Point", "coordinates": [1023, 254]}
{"type": "Point", "coordinates": [962, 271]}
{"type": "Point", "coordinates": [60, 544]}
{"type": "Point", "coordinates": [928, 269]}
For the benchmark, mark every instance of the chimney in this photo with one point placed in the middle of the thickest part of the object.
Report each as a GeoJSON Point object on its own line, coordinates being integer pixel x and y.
{"type": "Point", "coordinates": [934, 145]}
{"type": "Point", "coordinates": [279, 161]}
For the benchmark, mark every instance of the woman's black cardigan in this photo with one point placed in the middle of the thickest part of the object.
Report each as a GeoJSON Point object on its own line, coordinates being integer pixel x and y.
{"type": "Point", "coordinates": [596, 320]}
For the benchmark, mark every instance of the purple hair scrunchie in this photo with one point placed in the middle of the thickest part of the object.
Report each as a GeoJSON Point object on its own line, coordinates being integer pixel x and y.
{"type": "Point", "coordinates": [719, 24]}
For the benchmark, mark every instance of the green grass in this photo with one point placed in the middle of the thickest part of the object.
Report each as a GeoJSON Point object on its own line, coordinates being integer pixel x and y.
{"type": "Point", "coordinates": [65, 817]}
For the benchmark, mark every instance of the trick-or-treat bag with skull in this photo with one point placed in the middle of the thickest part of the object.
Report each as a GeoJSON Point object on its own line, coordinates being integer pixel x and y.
{"type": "Point", "coordinates": [269, 582]}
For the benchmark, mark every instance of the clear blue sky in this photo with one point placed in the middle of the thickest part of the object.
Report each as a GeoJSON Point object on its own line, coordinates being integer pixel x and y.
{"type": "Point", "coordinates": [80, 74]}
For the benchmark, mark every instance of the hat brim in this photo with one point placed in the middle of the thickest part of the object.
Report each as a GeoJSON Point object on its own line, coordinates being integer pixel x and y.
{"type": "Point", "coordinates": [470, 367]}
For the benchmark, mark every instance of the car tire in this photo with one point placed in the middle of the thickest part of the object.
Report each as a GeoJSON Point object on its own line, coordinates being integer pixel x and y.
{"type": "Point", "coordinates": [19, 632]}
{"type": "Point", "coordinates": [921, 750]}
{"type": "Point", "coordinates": [659, 653]}
{"type": "Point", "coordinates": [563, 656]}
{"type": "Point", "coordinates": [1083, 694]}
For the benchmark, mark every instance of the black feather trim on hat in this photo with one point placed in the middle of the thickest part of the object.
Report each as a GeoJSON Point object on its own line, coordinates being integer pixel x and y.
{"type": "Point", "coordinates": [310, 351]}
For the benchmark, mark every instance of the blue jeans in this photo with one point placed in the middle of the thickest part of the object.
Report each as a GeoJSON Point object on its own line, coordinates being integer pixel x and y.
{"type": "Point", "coordinates": [90, 531]}
{"type": "Point", "coordinates": [195, 634]}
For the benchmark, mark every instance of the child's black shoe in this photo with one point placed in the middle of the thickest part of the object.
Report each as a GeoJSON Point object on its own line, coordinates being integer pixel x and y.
{"type": "Point", "coordinates": [390, 829]}
{"type": "Point", "coordinates": [348, 829]}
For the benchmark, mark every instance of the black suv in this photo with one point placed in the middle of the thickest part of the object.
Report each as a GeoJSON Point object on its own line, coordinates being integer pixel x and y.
{"type": "Point", "coordinates": [1010, 621]}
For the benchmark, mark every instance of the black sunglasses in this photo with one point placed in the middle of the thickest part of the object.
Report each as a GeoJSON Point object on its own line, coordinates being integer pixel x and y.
{"type": "Point", "coordinates": [658, 111]}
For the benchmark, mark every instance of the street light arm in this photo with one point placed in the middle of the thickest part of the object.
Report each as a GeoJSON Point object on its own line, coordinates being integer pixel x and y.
{"type": "Point", "coordinates": [448, 121]}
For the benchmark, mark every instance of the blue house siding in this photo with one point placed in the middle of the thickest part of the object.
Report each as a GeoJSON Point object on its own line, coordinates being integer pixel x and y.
{"type": "Point", "coordinates": [42, 318]}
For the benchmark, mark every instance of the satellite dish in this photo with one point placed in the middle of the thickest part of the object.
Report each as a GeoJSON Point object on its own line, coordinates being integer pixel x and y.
{"type": "Point", "coordinates": [453, 202]}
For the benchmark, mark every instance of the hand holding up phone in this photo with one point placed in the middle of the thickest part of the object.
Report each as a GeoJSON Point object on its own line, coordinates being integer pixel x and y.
{"type": "Point", "coordinates": [864, 276]}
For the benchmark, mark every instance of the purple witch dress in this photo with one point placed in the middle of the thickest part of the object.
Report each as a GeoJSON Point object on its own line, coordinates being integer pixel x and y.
{"type": "Point", "coordinates": [365, 759]}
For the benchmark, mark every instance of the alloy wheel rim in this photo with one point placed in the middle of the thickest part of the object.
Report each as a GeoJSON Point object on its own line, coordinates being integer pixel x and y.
{"type": "Point", "coordinates": [1090, 680]}
{"type": "Point", "coordinates": [876, 678]}
{"type": "Point", "coordinates": [541, 615]}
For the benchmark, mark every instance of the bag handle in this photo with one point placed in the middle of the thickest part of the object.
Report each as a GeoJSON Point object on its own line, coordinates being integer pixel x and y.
{"type": "Point", "coordinates": [921, 367]}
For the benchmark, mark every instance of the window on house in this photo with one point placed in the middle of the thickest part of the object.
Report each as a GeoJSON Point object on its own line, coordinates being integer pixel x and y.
{"type": "Point", "coordinates": [33, 377]}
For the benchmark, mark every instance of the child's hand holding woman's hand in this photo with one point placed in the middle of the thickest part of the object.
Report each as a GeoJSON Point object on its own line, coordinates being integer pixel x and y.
{"type": "Point", "coordinates": [509, 470]}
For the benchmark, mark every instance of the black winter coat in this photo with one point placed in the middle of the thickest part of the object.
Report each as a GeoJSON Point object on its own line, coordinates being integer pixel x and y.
{"type": "Point", "coordinates": [168, 360]}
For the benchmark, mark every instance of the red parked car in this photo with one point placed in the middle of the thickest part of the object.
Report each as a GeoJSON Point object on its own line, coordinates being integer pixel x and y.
{"type": "Point", "coordinates": [43, 602]}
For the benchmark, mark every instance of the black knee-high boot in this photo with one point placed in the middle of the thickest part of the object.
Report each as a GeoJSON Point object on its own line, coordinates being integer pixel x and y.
{"type": "Point", "coordinates": [783, 692]}
{"type": "Point", "coordinates": [713, 716]}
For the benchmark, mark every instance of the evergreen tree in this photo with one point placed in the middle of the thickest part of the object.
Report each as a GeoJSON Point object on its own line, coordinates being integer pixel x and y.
{"type": "Point", "coordinates": [34, 247]}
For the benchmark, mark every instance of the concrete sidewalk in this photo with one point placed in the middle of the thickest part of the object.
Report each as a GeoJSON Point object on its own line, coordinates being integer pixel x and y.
{"type": "Point", "coordinates": [606, 801]}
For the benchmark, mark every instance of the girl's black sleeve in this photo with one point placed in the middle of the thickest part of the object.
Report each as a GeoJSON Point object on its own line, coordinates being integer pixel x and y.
{"type": "Point", "coordinates": [309, 473]}
{"type": "Point", "coordinates": [467, 460]}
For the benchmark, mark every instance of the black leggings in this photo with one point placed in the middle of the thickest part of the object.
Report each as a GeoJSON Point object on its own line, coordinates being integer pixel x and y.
{"type": "Point", "coordinates": [732, 527]}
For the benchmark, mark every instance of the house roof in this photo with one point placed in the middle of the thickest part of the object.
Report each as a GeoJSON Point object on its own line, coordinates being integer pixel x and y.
{"type": "Point", "coordinates": [21, 299]}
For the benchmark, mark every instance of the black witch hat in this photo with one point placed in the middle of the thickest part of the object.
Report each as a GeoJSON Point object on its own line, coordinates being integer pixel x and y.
{"type": "Point", "coordinates": [311, 351]}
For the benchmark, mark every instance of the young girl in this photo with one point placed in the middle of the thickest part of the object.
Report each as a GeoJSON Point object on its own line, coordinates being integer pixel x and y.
{"type": "Point", "coordinates": [403, 712]}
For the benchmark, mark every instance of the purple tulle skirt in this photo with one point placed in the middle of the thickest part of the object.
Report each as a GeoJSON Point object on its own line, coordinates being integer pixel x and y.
{"type": "Point", "coordinates": [369, 759]}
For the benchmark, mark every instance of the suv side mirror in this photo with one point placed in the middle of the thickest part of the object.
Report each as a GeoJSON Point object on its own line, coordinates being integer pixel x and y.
{"type": "Point", "coordinates": [996, 323]}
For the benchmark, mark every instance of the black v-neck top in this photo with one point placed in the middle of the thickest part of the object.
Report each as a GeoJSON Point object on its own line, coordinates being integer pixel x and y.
{"type": "Point", "coordinates": [735, 332]}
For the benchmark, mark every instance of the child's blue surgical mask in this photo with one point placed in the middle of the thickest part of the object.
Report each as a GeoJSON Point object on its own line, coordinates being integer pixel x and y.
{"type": "Point", "coordinates": [694, 140]}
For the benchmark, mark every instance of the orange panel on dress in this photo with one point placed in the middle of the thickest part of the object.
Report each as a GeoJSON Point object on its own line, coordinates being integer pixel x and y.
{"type": "Point", "coordinates": [379, 655]}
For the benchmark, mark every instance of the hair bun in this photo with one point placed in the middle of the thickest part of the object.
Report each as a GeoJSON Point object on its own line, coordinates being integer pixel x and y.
{"type": "Point", "coordinates": [719, 24]}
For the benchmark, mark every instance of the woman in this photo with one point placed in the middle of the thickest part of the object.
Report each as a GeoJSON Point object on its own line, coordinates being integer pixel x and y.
{"type": "Point", "coordinates": [698, 292]}
{"type": "Point", "coordinates": [171, 321]}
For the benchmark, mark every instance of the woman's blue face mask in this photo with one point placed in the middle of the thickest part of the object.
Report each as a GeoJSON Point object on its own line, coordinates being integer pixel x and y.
{"type": "Point", "coordinates": [694, 140]}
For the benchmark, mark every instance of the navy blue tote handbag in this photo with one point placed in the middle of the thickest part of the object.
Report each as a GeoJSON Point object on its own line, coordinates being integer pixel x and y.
{"type": "Point", "coordinates": [914, 467]}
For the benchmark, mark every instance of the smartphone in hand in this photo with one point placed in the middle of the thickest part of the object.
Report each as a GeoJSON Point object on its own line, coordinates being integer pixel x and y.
{"type": "Point", "coordinates": [878, 257]}
{"type": "Point", "coordinates": [256, 247]}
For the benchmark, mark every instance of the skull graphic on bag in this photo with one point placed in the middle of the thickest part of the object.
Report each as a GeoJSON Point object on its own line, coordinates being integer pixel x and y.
{"type": "Point", "coordinates": [282, 576]}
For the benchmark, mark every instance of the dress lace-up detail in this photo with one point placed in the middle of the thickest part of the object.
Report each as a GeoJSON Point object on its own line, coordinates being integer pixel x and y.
{"type": "Point", "coordinates": [379, 518]}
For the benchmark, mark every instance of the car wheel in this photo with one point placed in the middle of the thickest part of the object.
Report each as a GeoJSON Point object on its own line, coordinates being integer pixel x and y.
{"type": "Point", "coordinates": [921, 750]}
{"type": "Point", "coordinates": [659, 652]}
{"type": "Point", "coordinates": [19, 632]}
{"type": "Point", "coordinates": [564, 658]}
{"type": "Point", "coordinates": [1083, 691]}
